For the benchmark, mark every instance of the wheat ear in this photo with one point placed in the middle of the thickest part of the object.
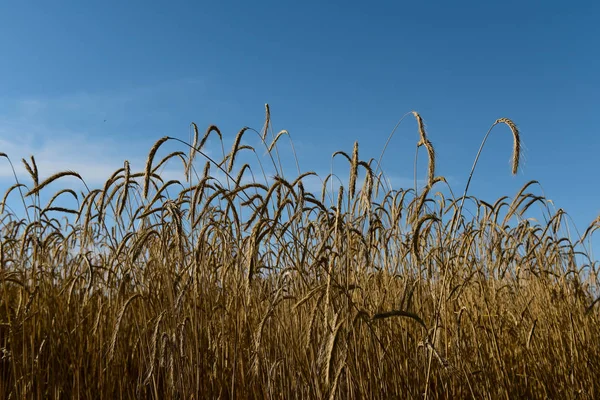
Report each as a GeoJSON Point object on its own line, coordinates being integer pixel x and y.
{"type": "Point", "coordinates": [236, 147]}
{"type": "Point", "coordinates": [148, 170]}
{"type": "Point", "coordinates": [192, 149]}
{"type": "Point", "coordinates": [353, 171]}
{"type": "Point", "coordinates": [267, 122]}
{"type": "Point", "coordinates": [113, 342]}
{"type": "Point", "coordinates": [516, 155]}
{"type": "Point", "coordinates": [51, 179]}
{"type": "Point", "coordinates": [424, 141]}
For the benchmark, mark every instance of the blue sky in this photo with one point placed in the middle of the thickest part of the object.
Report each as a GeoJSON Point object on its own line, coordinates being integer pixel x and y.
{"type": "Point", "coordinates": [85, 85]}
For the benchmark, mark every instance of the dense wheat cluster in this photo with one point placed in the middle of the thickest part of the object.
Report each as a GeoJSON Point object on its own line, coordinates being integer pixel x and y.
{"type": "Point", "coordinates": [235, 284]}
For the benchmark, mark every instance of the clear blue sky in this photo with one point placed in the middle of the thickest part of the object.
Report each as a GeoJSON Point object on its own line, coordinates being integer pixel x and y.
{"type": "Point", "coordinates": [86, 84]}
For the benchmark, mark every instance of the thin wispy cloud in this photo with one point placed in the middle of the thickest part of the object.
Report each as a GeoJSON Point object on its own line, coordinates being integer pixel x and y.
{"type": "Point", "coordinates": [56, 147]}
{"type": "Point", "coordinates": [86, 133]}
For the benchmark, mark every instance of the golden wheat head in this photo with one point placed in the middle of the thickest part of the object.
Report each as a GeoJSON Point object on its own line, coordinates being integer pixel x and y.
{"type": "Point", "coordinates": [148, 170]}
{"type": "Point", "coordinates": [516, 155]}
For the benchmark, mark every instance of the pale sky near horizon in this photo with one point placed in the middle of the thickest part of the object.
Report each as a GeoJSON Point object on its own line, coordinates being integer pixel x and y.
{"type": "Point", "coordinates": [86, 85]}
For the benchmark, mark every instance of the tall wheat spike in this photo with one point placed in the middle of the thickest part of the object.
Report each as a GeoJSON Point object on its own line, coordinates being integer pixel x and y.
{"type": "Point", "coordinates": [353, 171]}
{"type": "Point", "coordinates": [236, 147]}
{"type": "Point", "coordinates": [192, 149]}
{"type": "Point", "coordinates": [267, 122]}
{"type": "Point", "coordinates": [516, 154]}
{"type": "Point", "coordinates": [148, 170]}
{"type": "Point", "coordinates": [424, 141]}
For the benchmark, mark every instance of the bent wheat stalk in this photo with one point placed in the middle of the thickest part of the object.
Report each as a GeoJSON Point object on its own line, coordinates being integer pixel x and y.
{"type": "Point", "coordinates": [516, 156]}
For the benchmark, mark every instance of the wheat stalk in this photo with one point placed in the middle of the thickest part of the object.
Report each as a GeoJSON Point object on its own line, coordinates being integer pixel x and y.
{"type": "Point", "coordinates": [516, 155]}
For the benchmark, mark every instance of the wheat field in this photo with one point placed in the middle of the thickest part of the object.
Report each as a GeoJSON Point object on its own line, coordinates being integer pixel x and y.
{"type": "Point", "coordinates": [233, 284]}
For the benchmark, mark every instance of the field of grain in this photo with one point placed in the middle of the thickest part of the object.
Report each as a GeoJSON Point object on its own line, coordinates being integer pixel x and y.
{"type": "Point", "coordinates": [235, 284]}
